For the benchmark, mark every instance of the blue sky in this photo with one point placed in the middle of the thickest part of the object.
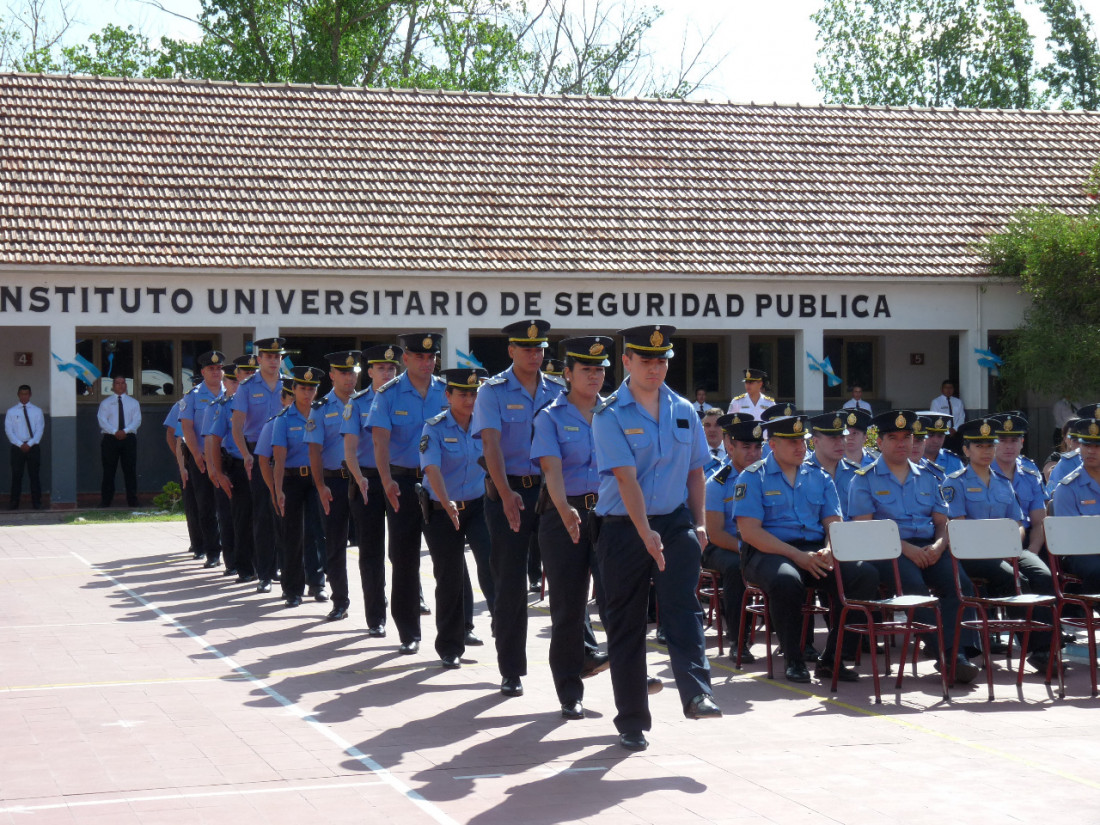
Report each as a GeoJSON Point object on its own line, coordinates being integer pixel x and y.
{"type": "Point", "coordinates": [769, 46]}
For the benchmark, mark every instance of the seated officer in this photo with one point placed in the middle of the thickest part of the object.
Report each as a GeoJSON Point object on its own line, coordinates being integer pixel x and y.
{"type": "Point", "coordinates": [784, 507]}
{"type": "Point", "coordinates": [830, 438]}
{"type": "Point", "coordinates": [937, 426]}
{"type": "Point", "coordinates": [855, 449]}
{"type": "Point", "coordinates": [775, 411]}
{"type": "Point", "coordinates": [893, 487]}
{"type": "Point", "coordinates": [924, 421]}
{"type": "Point", "coordinates": [1078, 494]}
{"type": "Point", "coordinates": [1027, 481]}
{"type": "Point", "coordinates": [742, 436]}
{"type": "Point", "coordinates": [977, 492]}
{"type": "Point", "coordinates": [1071, 460]}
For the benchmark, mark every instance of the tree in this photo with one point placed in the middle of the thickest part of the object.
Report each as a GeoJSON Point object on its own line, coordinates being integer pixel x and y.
{"type": "Point", "coordinates": [30, 38]}
{"type": "Point", "coordinates": [1056, 259]}
{"type": "Point", "coordinates": [1074, 74]}
{"type": "Point", "coordinates": [925, 53]}
{"type": "Point", "coordinates": [114, 51]}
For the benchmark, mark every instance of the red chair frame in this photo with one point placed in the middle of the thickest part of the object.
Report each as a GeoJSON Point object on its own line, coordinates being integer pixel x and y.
{"type": "Point", "coordinates": [1074, 536]}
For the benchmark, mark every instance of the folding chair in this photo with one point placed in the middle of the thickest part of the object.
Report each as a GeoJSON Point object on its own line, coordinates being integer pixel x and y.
{"type": "Point", "coordinates": [1074, 536]}
{"type": "Point", "coordinates": [710, 588]}
{"type": "Point", "coordinates": [755, 603]}
{"type": "Point", "coordinates": [879, 540]}
{"type": "Point", "coordinates": [999, 538]}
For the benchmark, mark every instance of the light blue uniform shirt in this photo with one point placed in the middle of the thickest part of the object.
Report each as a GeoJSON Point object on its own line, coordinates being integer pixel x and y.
{"type": "Point", "coordinates": [968, 497]}
{"type": "Point", "coordinates": [1077, 494]}
{"type": "Point", "coordinates": [263, 441]}
{"type": "Point", "coordinates": [562, 432]}
{"type": "Point", "coordinates": [324, 429]}
{"type": "Point", "coordinates": [662, 452]}
{"type": "Point", "coordinates": [354, 421]}
{"type": "Point", "coordinates": [289, 430]}
{"type": "Point", "coordinates": [1064, 467]}
{"type": "Point", "coordinates": [876, 492]}
{"type": "Point", "coordinates": [950, 462]}
{"type": "Point", "coordinates": [219, 423]}
{"type": "Point", "coordinates": [455, 452]}
{"type": "Point", "coordinates": [172, 421]}
{"type": "Point", "coordinates": [399, 408]}
{"type": "Point", "coordinates": [504, 405]}
{"type": "Point", "coordinates": [1027, 484]}
{"type": "Point", "coordinates": [845, 472]}
{"type": "Point", "coordinates": [194, 405]}
{"type": "Point", "coordinates": [719, 491]}
{"type": "Point", "coordinates": [788, 513]}
{"type": "Point", "coordinates": [258, 404]}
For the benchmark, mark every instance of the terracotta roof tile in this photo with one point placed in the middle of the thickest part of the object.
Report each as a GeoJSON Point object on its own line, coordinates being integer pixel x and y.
{"type": "Point", "coordinates": [113, 173]}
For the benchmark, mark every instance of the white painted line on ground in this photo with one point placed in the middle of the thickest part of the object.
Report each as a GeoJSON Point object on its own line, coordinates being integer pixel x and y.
{"type": "Point", "coordinates": [127, 800]}
{"type": "Point", "coordinates": [33, 558]}
{"type": "Point", "coordinates": [348, 748]}
{"type": "Point", "coordinates": [46, 626]}
{"type": "Point", "coordinates": [481, 776]}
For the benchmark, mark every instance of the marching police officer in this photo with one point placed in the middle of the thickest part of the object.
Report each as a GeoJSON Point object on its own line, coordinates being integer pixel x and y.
{"type": "Point", "coordinates": [397, 418]}
{"type": "Point", "coordinates": [212, 452]}
{"type": "Point", "coordinates": [752, 400]}
{"type": "Point", "coordinates": [326, 455]}
{"type": "Point", "coordinates": [193, 407]}
{"type": "Point", "coordinates": [454, 516]}
{"type": "Point", "coordinates": [784, 506]}
{"type": "Point", "coordinates": [893, 487]}
{"type": "Point", "coordinates": [743, 438]}
{"type": "Point", "coordinates": [650, 452]}
{"type": "Point", "coordinates": [564, 447]}
{"type": "Point", "coordinates": [368, 501]}
{"type": "Point", "coordinates": [503, 417]}
{"type": "Point", "coordinates": [259, 399]}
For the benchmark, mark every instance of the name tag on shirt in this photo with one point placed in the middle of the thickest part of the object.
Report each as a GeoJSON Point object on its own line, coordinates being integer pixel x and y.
{"type": "Point", "coordinates": [572, 429]}
{"type": "Point", "coordinates": [973, 489]}
{"type": "Point", "coordinates": [400, 412]}
{"type": "Point", "coordinates": [773, 492]}
{"type": "Point", "coordinates": [1089, 501]}
{"type": "Point", "coordinates": [451, 440]}
{"type": "Point", "coordinates": [257, 395]}
{"type": "Point", "coordinates": [882, 492]}
{"type": "Point", "coordinates": [294, 429]}
{"type": "Point", "coordinates": [331, 415]}
{"type": "Point", "coordinates": [635, 431]}
{"type": "Point", "coordinates": [515, 406]}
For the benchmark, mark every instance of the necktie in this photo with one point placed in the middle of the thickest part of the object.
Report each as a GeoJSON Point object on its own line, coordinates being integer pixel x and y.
{"type": "Point", "coordinates": [30, 430]}
{"type": "Point", "coordinates": [121, 415]}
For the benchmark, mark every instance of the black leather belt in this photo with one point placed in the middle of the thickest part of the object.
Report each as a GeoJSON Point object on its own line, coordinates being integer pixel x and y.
{"type": "Point", "coordinates": [405, 472]}
{"type": "Point", "coordinates": [341, 473]}
{"type": "Point", "coordinates": [228, 462]}
{"type": "Point", "coordinates": [459, 505]}
{"type": "Point", "coordinates": [585, 502]}
{"type": "Point", "coordinates": [524, 482]}
{"type": "Point", "coordinates": [299, 472]}
{"type": "Point", "coordinates": [368, 472]}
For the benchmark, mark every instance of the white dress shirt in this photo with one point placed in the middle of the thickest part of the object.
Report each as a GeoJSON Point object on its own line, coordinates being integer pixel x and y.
{"type": "Point", "coordinates": [15, 425]}
{"type": "Point", "coordinates": [951, 406]}
{"type": "Point", "coordinates": [853, 404]}
{"type": "Point", "coordinates": [742, 403]}
{"type": "Point", "coordinates": [108, 414]}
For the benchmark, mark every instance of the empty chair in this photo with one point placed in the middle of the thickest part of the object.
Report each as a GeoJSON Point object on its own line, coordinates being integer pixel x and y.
{"type": "Point", "coordinates": [1070, 537]}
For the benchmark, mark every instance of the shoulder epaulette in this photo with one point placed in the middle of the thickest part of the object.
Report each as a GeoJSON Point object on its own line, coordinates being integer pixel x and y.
{"type": "Point", "coordinates": [851, 464]}
{"type": "Point", "coordinates": [242, 383]}
{"type": "Point", "coordinates": [222, 399]}
{"type": "Point", "coordinates": [1027, 468]}
{"type": "Point", "coordinates": [936, 466]}
{"type": "Point", "coordinates": [280, 412]}
{"type": "Point", "coordinates": [607, 402]}
{"type": "Point", "coordinates": [951, 453]}
{"type": "Point", "coordinates": [1070, 454]}
{"type": "Point", "coordinates": [1071, 475]}
{"type": "Point", "coordinates": [958, 473]}
{"type": "Point", "coordinates": [435, 419]}
{"type": "Point", "coordinates": [739, 397]}
{"type": "Point", "coordinates": [388, 384]}
{"type": "Point", "coordinates": [768, 398]}
{"type": "Point", "coordinates": [495, 380]}
{"type": "Point", "coordinates": [355, 395]}
{"type": "Point", "coordinates": [862, 471]}
{"type": "Point", "coordinates": [756, 465]}
{"type": "Point", "coordinates": [316, 405]}
{"type": "Point", "coordinates": [554, 379]}
{"type": "Point", "coordinates": [722, 476]}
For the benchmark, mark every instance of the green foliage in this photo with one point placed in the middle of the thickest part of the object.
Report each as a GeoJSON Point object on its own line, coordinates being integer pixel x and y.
{"type": "Point", "coordinates": [1056, 259]}
{"type": "Point", "coordinates": [1074, 75]}
{"type": "Point", "coordinates": [114, 52]}
{"type": "Point", "coordinates": [170, 499]}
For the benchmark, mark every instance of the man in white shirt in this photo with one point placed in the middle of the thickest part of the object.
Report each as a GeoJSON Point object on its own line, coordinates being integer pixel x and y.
{"type": "Point", "coordinates": [24, 426]}
{"type": "Point", "coordinates": [856, 402]}
{"type": "Point", "coordinates": [947, 404]}
{"type": "Point", "coordinates": [119, 419]}
{"type": "Point", "coordinates": [752, 400]}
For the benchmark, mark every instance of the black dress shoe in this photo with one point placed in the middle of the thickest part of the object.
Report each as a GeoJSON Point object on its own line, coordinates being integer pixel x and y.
{"type": "Point", "coordinates": [294, 601]}
{"type": "Point", "coordinates": [264, 586]}
{"type": "Point", "coordinates": [824, 673]}
{"type": "Point", "coordinates": [702, 707]}
{"type": "Point", "coordinates": [511, 686]}
{"type": "Point", "coordinates": [277, 576]}
{"type": "Point", "coordinates": [572, 710]}
{"type": "Point", "coordinates": [450, 662]}
{"type": "Point", "coordinates": [318, 594]}
{"type": "Point", "coordinates": [594, 663]}
{"type": "Point", "coordinates": [747, 657]}
{"type": "Point", "coordinates": [473, 640]}
{"type": "Point", "coordinates": [230, 571]}
{"type": "Point", "coordinates": [211, 564]}
{"type": "Point", "coordinates": [661, 640]}
{"type": "Point", "coordinates": [377, 631]}
{"type": "Point", "coordinates": [245, 578]}
{"type": "Point", "coordinates": [796, 672]}
{"type": "Point", "coordinates": [1039, 660]}
{"type": "Point", "coordinates": [409, 648]}
{"type": "Point", "coordinates": [337, 613]}
{"type": "Point", "coordinates": [810, 654]}
{"type": "Point", "coordinates": [633, 740]}
{"type": "Point", "coordinates": [653, 685]}
{"type": "Point", "coordinates": [424, 609]}
{"type": "Point", "coordinates": [965, 670]}
{"type": "Point", "coordinates": [536, 587]}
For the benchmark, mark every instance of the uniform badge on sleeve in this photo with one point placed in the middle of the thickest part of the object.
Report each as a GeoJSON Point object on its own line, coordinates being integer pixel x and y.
{"type": "Point", "coordinates": [311, 425]}
{"type": "Point", "coordinates": [739, 491]}
{"type": "Point", "coordinates": [183, 404]}
{"type": "Point", "coordinates": [948, 494]}
{"type": "Point", "coordinates": [347, 412]}
{"type": "Point", "coordinates": [424, 440]}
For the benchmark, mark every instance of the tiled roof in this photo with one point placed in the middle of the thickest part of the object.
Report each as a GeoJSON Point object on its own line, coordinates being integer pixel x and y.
{"type": "Point", "coordinates": [112, 173]}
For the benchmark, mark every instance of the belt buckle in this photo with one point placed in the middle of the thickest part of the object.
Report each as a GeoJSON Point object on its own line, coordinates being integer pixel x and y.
{"type": "Point", "coordinates": [460, 505]}
{"type": "Point", "coordinates": [303, 472]}
{"type": "Point", "coordinates": [344, 473]}
{"type": "Point", "coordinates": [589, 501]}
{"type": "Point", "coordinates": [527, 482]}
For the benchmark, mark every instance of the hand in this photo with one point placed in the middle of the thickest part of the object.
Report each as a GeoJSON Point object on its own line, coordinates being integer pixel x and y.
{"type": "Point", "coordinates": [915, 554]}
{"type": "Point", "coordinates": [280, 502]}
{"type": "Point", "coordinates": [933, 551]}
{"type": "Point", "coordinates": [25, 447]}
{"type": "Point", "coordinates": [452, 512]}
{"type": "Point", "coordinates": [392, 492]}
{"type": "Point", "coordinates": [200, 462]}
{"type": "Point", "coordinates": [363, 483]}
{"type": "Point", "coordinates": [183, 477]}
{"type": "Point", "coordinates": [655, 547]}
{"type": "Point", "coordinates": [701, 534]}
{"type": "Point", "coordinates": [818, 563]}
{"type": "Point", "coordinates": [325, 494]}
{"type": "Point", "coordinates": [248, 460]}
{"type": "Point", "coordinates": [120, 435]}
{"type": "Point", "coordinates": [512, 503]}
{"type": "Point", "coordinates": [572, 521]}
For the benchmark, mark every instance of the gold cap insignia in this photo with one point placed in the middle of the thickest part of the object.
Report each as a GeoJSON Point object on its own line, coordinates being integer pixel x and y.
{"type": "Point", "coordinates": [252, 360]}
{"type": "Point", "coordinates": [1008, 425]}
{"type": "Point", "coordinates": [757, 432]}
{"type": "Point", "coordinates": [350, 361]}
{"type": "Point", "coordinates": [939, 423]}
{"type": "Point", "coordinates": [985, 429]}
{"type": "Point", "coordinates": [1093, 429]}
{"type": "Point", "coordinates": [748, 375]}
{"type": "Point", "coordinates": [548, 367]}
{"type": "Point", "coordinates": [595, 349]}
{"type": "Point", "coordinates": [308, 376]}
{"type": "Point", "coordinates": [797, 426]}
{"type": "Point", "coordinates": [851, 419]}
{"type": "Point", "coordinates": [426, 343]}
{"type": "Point", "coordinates": [656, 339]}
{"type": "Point", "coordinates": [837, 423]}
{"type": "Point", "coordinates": [917, 426]}
{"type": "Point", "coordinates": [533, 331]}
{"type": "Point", "coordinates": [214, 358]}
{"type": "Point", "coordinates": [472, 380]}
{"type": "Point", "coordinates": [388, 353]}
{"type": "Point", "coordinates": [787, 410]}
{"type": "Point", "coordinates": [899, 421]}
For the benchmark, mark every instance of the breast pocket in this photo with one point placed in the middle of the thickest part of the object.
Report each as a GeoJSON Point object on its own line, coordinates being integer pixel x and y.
{"type": "Point", "coordinates": [682, 434]}
{"type": "Point", "coordinates": [514, 415]}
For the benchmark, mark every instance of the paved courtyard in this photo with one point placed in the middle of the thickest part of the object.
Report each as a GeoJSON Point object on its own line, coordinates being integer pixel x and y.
{"type": "Point", "coordinates": [137, 688]}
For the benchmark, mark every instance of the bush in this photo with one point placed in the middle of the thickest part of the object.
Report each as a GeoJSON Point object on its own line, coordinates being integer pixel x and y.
{"type": "Point", "coordinates": [170, 499]}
